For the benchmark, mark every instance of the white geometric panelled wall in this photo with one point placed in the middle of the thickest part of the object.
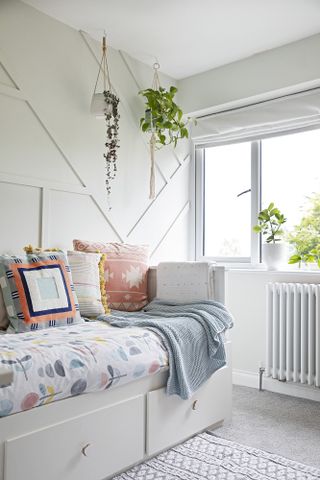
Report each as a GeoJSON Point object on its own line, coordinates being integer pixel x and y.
{"type": "Point", "coordinates": [51, 149]}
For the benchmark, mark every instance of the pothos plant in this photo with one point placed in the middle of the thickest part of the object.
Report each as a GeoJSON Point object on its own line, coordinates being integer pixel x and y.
{"type": "Point", "coordinates": [163, 117]}
{"type": "Point", "coordinates": [163, 120]}
{"type": "Point", "coordinates": [112, 144]}
{"type": "Point", "coordinates": [270, 223]}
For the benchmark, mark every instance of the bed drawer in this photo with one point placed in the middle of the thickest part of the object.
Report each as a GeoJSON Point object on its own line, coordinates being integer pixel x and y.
{"type": "Point", "coordinates": [171, 420]}
{"type": "Point", "coordinates": [91, 446]}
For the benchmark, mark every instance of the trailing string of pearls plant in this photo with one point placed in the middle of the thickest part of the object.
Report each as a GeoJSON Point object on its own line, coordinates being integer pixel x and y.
{"type": "Point", "coordinates": [112, 144]}
{"type": "Point", "coordinates": [106, 104]}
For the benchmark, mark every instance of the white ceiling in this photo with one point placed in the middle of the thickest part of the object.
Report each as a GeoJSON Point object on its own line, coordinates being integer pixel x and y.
{"type": "Point", "coordinates": [189, 36]}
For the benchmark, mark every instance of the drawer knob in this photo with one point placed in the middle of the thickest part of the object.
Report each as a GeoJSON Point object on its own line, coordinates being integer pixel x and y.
{"type": "Point", "coordinates": [194, 405]}
{"type": "Point", "coordinates": [84, 449]}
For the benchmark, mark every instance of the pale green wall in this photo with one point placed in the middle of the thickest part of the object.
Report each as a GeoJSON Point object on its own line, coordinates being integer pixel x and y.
{"type": "Point", "coordinates": [266, 72]}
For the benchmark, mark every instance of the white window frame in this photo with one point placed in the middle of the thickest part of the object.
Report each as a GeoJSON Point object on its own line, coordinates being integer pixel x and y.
{"type": "Point", "coordinates": [255, 247]}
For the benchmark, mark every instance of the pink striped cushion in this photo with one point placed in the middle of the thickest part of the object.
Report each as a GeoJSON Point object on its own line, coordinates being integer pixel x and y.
{"type": "Point", "coordinates": [125, 273]}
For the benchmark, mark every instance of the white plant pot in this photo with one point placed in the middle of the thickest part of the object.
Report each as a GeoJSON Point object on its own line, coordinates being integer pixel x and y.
{"type": "Point", "coordinates": [98, 105]}
{"type": "Point", "coordinates": [274, 255]}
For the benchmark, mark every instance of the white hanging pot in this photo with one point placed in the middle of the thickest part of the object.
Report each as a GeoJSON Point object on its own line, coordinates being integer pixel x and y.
{"type": "Point", "coordinates": [99, 107]}
{"type": "Point", "coordinates": [274, 255]}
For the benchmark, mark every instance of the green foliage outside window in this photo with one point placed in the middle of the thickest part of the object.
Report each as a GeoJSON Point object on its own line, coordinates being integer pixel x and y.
{"type": "Point", "coordinates": [305, 237]}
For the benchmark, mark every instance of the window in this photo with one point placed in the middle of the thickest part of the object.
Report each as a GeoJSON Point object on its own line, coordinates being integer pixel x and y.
{"type": "Point", "coordinates": [239, 179]}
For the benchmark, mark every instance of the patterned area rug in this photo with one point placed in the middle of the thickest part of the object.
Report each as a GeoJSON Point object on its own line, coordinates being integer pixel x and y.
{"type": "Point", "coordinates": [207, 457]}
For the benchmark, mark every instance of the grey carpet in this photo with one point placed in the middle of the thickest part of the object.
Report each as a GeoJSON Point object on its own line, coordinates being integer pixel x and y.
{"type": "Point", "coordinates": [207, 457]}
{"type": "Point", "coordinates": [276, 423]}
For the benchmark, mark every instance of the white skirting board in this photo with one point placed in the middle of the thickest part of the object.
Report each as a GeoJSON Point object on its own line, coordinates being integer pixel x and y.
{"type": "Point", "coordinates": [250, 379]}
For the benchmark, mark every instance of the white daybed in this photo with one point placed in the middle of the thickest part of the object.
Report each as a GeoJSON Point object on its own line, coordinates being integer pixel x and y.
{"type": "Point", "coordinates": [96, 435]}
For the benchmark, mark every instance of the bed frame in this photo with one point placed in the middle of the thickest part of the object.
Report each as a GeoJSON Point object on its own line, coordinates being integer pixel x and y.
{"type": "Point", "coordinates": [97, 435]}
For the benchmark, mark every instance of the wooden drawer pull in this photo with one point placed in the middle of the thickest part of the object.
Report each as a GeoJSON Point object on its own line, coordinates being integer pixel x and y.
{"type": "Point", "coordinates": [194, 405]}
{"type": "Point", "coordinates": [84, 449]}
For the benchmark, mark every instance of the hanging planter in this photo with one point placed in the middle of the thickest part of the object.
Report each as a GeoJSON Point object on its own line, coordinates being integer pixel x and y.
{"type": "Point", "coordinates": [105, 104]}
{"type": "Point", "coordinates": [163, 120]}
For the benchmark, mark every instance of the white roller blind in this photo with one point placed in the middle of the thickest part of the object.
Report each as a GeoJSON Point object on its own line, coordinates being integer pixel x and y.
{"type": "Point", "coordinates": [271, 117]}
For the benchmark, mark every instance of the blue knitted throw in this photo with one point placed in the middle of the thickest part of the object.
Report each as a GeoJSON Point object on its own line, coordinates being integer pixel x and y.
{"type": "Point", "coordinates": [192, 334]}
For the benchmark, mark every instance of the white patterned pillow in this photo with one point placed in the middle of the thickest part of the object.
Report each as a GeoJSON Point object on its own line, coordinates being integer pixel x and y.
{"type": "Point", "coordinates": [85, 270]}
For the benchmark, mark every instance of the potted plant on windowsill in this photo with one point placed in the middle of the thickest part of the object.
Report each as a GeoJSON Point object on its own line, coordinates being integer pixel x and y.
{"type": "Point", "coordinates": [270, 225]}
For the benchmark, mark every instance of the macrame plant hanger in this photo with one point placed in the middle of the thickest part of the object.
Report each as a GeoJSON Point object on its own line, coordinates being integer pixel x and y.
{"type": "Point", "coordinates": [153, 140]}
{"type": "Point", "coordinates": [103, 68]}
{"type": "Point", "coordinates": [106, 104]}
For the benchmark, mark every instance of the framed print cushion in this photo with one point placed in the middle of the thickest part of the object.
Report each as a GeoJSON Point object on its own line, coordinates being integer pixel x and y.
{"type": "Point", "coordinates": [89, 287]}
{"type": "Point", "coordinates": [38, 291]}
{"type": "Point", "coordinates": [125, 272]}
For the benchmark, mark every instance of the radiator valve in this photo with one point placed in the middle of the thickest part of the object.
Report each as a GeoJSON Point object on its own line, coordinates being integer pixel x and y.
{"type": "Point", "coordinates": [261, 372]}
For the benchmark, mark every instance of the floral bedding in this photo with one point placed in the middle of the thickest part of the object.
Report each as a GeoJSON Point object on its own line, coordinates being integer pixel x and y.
{"type": "Point", "coordinates": [66, 361]}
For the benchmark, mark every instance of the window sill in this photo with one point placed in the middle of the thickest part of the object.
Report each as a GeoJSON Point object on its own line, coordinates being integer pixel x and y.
{"type": "Point", "coordinates": [260, 268]}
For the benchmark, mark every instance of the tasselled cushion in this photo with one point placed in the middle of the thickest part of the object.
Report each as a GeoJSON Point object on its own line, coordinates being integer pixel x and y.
{"type": "Point", "coordinates": [88, 278]}
{"type": "Point", "coordinates": [125, 272]}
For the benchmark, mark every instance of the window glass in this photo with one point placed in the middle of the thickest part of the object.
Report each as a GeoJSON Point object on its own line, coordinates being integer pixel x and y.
{"type": "Point", "coordinates": [291, 173]}
{"type": "Point", "coordinates": [227, 209]}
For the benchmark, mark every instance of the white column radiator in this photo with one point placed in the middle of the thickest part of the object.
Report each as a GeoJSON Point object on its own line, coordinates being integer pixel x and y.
{"type": "Point", "coordinates": [293, 332]}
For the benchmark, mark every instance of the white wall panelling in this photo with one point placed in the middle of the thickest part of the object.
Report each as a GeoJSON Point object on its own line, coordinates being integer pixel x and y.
{"type": "Point", "coordinates": [12, 216]}
{"type": "Point", "coordinates": [51, 145]}
{"type": "Point", "coordinates": [10, 91]}
{"type": "Point", "coordinates": [6, 80]}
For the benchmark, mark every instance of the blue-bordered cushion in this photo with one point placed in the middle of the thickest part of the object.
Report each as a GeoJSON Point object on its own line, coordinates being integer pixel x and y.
{"type": "Point", "coordinates": [38, 291]}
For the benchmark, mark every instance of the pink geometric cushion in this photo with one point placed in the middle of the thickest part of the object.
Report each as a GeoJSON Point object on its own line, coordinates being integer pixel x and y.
{"type": "Point", "coordinates": [125, 273]}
